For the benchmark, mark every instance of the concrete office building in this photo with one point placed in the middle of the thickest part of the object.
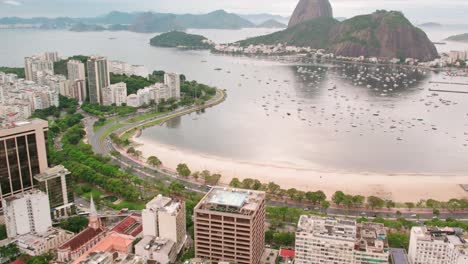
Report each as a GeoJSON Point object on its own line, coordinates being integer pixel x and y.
{"type": "Point", "coordinates": [98, 78]}
{"type": "Point", "coordinates": [433, 245]}
{"type": "Point", "coordinates": [339, 241]}
{"type": "Point", "coordinates": [230, 226]}
{"type": "Point", "coordinates": [56, 183]}
{"type": "Point", "coordinates": [35, 244]}
{"type": "Point", "coordinates": [25, 213]}
{"type": "Point", "coordinates": [173, 81]}
{"type": "Point", "coordinates": [23, 154]}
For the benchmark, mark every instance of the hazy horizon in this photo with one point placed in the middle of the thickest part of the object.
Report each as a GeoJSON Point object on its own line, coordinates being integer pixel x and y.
{"type": "Point", "coordinates": [419, 11]}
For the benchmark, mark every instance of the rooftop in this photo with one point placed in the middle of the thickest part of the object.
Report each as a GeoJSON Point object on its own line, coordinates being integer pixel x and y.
{"type": "Point", "coordinates": [82, 238]}
{"type": "Point", "coordinates": [52, 173]}
{"type": "Point", "coordinates": [446, 235]}
{"type": "Point", "coordinates": [32, 239]}
{"type": "Point", "coordinates": [113, 242]}
{"type": "Point", "coordinates": [162, 203]}
{"type": "Point", "coordinates": [230, 200]}
{"type": "Point", "coordinates": [371, 237]}
{"type": "Point", "coordinates": [157, 244]}
{"type": "Point", "coordinates": [333, 228]}
{"type": "Point", "coordinates": [22, 124]}
{"type": "Point", "coordinates": [131, 225]}
{"type": "Point", "coordinates": [398, 256]}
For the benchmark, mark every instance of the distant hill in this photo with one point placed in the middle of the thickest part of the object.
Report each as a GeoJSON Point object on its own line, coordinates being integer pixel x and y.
{"type": "Point", "coordinates": [380, 34]}
{"type": "Point", "coordinates": [81, 27]}
{"type": "Point", "coordinates": [176, 39]}
{"type": "Point", "coordinates": [140, 21]}
{"type": "Point", "coordinates": [431, 25]}
{"type": "Point", "coordinates": [459, 38]}
{"type": "Point", "coordinates": [271, 23]}
{"type": "Point", "coordinates": [261, 18]}
{"type": "Point", "coordinates": [310, 9]}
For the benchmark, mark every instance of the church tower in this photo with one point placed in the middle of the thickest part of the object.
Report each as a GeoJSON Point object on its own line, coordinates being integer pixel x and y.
{"type": "Point", "coordinates": [94, 220]}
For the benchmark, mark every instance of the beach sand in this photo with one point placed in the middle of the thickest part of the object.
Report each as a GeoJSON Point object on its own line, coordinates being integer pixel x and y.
{"type": "Point", "coordinates": [397, 187]}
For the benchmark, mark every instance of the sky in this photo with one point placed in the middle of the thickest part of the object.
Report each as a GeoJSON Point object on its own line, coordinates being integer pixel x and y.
{"type": "Point", "coordinates": [420, 11]}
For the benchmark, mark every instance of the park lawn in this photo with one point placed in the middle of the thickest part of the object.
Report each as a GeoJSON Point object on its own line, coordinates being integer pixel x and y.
{"type": "Point", "coordinates": [108, 121]}
{"type": "Point", "coordinates": [129, 205]}
{"type": "Point", "coordinates": [145, 116]}
{"type": "Point", "coordinates": [95, 193]}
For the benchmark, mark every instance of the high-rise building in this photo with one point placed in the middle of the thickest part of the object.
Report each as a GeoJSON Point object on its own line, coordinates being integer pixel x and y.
{"type": "Point", "coordinates": [55, 182]}
{"type": "Point", "coordinates": [229, 226]}
{"type": "Point", "coordinates": [164, 230]}
{"type": "Point", "coordinates": [36, 67]}
{"type": "Point", "coordinates": [76, 70]}
{"type": "Point", "coordinates": [340, 241]}
{"type": "Point", "coordinates": [51, 56]}
{"type": "Point", "coordinates": [173, 81]}
{"type": "Point", "coordinates": [437, 246]}
{"type": "Point", "coordinates": [27, 212]}
{"type": "Point", "coordinates": [98, 78]}
{"type": "Point", "coordinates": [115, 94]}
{"type": "Point", "coordinates": [23, 154]}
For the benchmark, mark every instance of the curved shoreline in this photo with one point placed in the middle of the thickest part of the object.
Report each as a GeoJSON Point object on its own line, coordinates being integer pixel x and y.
{"type": "Point", "coordinates": [398, 187]}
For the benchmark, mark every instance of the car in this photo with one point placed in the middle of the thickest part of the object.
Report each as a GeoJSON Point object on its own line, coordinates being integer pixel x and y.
{"type": "Point", "coordinates": [413, 215]}
{"type": "Point", "coordinates": [306, 209]}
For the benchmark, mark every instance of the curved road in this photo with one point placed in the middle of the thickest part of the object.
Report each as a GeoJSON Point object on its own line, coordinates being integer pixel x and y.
{"type": "Point", "coordinates": [102, 144]}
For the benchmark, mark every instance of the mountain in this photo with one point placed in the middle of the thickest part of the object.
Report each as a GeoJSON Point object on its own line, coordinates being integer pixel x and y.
{"type": "Point", "coordinates": [310, 9]}
{"type": "Point", "coordinates": [175, 39]}
{"type": "Point", "coordinates": [459, 38]}
{"type": "Point", "coordinates": [219, 19]}
{"type": "Point", "coordinates": [313, 33]}
{"type": "Point", "coordinates": [271, 23]}
{"type": "Point", "coordinates": [261, 18]}
{"type": "Point", "coordinates": [381, 34]}
{"type": "Point", "coordinates": [141, 21]}
{"type": "Point", "coordinates": [430, 25]}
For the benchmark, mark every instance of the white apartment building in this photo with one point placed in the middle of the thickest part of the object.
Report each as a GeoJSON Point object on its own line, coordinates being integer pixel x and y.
{"type": "Point", "coordinates": [76, 70]}
{"type": "Point", "coordinates": [173, 81]}
{"type": "Point", "coordinates": [124, 68]}
{"type": "Point", "coordinates": [164, 230]}
{"type": "Point", "coordinates": [339, 241]}
{"type": "Point", "coordinates": [50, 56]}
{"type": "Point", "coordinates": [437, 246]}
{"type": "Point", "coordinates": [35, 67]}
{"type": "Point", "coordinates": [115, 94]}
{"type": "Point", "coordinates": [27, 212]}
{"type": "Point", "coordinates": [98, 78]}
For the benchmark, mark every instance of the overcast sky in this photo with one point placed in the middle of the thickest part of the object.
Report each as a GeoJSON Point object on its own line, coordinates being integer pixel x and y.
{"type": "Point", "coordinates": [447, 11]}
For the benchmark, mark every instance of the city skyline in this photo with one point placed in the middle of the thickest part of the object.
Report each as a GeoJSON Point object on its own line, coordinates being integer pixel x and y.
{"type": "Point", "coordinates": [451, 12]}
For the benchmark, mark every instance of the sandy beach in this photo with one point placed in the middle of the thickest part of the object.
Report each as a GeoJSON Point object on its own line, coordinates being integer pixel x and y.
{"type": "Point", "coordinates": [399, 187]}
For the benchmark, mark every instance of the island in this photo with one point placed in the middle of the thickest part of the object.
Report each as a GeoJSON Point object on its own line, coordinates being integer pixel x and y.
{"type": "Point", "coordinates": [179, 39]}
{"type": "Point", "coordinates": [271, 23]}
{"type": "Point", "coordinates": [459, 38]}
{"type": "Point", "coordinates": [82, 27]}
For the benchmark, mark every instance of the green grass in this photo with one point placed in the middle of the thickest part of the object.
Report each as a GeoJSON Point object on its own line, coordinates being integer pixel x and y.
{"type": "Point", "coordinates": [108, 121]}
{"type": "Point", "coordinates": [129, 205]}
{"type": "Point", "coordinates": [145, 116]}
{"type": "Point", "coordinates": [111, 129]}
{"type": "Point", "coordinates": [95, 192]}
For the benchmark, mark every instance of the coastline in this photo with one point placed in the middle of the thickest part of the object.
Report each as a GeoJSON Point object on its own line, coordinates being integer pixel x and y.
{"type": "Point", "coordinates": [396, 187]}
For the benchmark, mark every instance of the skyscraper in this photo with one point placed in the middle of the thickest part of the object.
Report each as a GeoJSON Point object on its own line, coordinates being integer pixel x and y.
{"type": "Point", "coordinates": [36, 67]}
{"type": "Point", "coordinates": [173, 81]}
{"type": "Point", "coordinates": [76, 70]}
{"type": "Point", "coordinates": [98, 78]}
{"type": "Point", "coordinates": [230, 226]}
{"type": "Point", "coordinates": [23, 154]}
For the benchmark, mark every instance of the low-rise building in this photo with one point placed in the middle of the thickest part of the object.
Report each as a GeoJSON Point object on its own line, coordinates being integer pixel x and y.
{"type": "Point", "coordinates": [35, 244]}
{"type": "Point", "coordinates": [340, 241]}
{"type": "Point", "coordinates": [115, 94]}
{"type": "Point", "coordinates": [433, 245]}
{"type": "Point", "coordinates": [156, 250]}
{"type": "Point", "coordinates": [111, 258]}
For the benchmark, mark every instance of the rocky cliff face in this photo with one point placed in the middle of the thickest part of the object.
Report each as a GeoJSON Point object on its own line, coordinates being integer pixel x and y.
{"type": "Point", "coordinates": [381, 34]}
{"type": "Point", "coordinates": [310, 9]}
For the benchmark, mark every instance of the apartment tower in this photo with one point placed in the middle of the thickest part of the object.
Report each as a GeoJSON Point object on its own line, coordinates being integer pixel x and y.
{"type": "Point", "coordinates": [98, 78]}
{"type": "Point", "coordinates": [229, 226]}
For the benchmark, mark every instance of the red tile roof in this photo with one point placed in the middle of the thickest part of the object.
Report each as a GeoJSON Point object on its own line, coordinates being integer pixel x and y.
{"type": "Point", "coordinates": [287, 253]}
{"type": "Point", "coordinates": [18, 261]}
{"type": "Point", "coordinates": [129, 226]}
{"type": "Point", "coordinates": [82, 238]}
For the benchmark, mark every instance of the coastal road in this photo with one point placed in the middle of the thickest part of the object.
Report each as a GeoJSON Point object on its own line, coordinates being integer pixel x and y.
{"type": "Point", "coordinates": [101, 144]}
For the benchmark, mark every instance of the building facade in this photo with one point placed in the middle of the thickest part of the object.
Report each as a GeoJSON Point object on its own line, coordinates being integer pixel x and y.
{"type": "Point", "coordinates": [35, 244]}
{"type": "Point", "coordinates": [437, 246]}
{"type": "Point", "coordinates": [23, 154]}
{"type": "Point", "coordinates": [98, 78]}
{"type": "Point", "coordinates": [56, 183]}
{"type": "Point", "coordinates": [25, 213]}
{"type": "Point", "coordinates": [229, 226]}
{"type": "Point", "coordinates": [115, 94]}
{"type": "Point", "coordinates": [173, 81]}
{"type": "Point", "coordinates": [35, 67]}
{"type": "Point", "coordinates": [339, 241]}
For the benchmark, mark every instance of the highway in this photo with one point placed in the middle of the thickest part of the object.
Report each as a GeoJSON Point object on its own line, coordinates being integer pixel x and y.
{"type": "Point", "coordinates": [104, 146]}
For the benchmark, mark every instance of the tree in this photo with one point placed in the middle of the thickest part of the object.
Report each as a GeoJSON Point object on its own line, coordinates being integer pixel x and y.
{"type": "Point", "coordinates": [154, 161]}
{"type": "Point", "coordinates": [338, 197]}
{"type": "Point", "coordinates": [325, 205]}
{"type": "Point", "coordinates": [348, 201]}
{"type": "Point", "coordinates": [131, 150]}
{"type": "Point", "coordinates": [436, 212]}
{"type": "Point", "coordinates": [409, 205]}
{"type": "Point", "coordinates": [431, 203]}
{"type": "Point", "coordinates": [390, 204]}
{"type": "Point", "coordinates": [183, 170]}
{"type": "Point", "coordinates": [235, 183]}
{"type": "Point", "coordinates": [398, 240]}
{"type": "Point", "coordinates": [283, 210]}
{"type": "Point", "coordinates": [358, 200]}
{"type": "Point", "coordinates": [273, 188]}
{"type": "Point", "coordinates": [74, 224]}
{"type": "Point", "coordinates": [176, 188]}
{"type": "Point", "coordinates": [196, 175]}
{"type": "Point", "coordinates": [375, 202]}
{"type": "Point", "coordinates": [292, 193]}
